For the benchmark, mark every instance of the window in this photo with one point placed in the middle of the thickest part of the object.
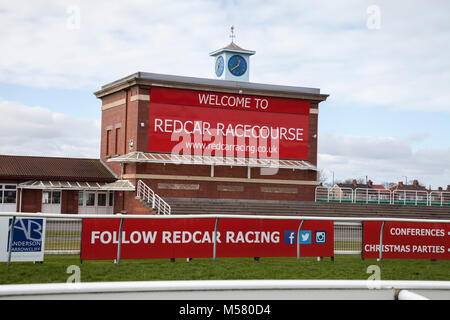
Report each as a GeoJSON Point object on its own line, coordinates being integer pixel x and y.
{"type": "Point", "coordinates": [56, 197]}
{"type": "Point", "coordinates": [8, 193]}
{"type": "Point", "coordinates": [90, 199]}
{"type": "Point", "coordinates": [108, 142]}
{"type": "Point", "coordinates": [111, 199]}
{"type": "Point", "coordinates": [101, 199]}
{"type": "Point", "coordinates": [117, 146]}
{"type": "Point", "coordinates": [51, 197]}
{"type": "Point", "coordinates": [80, 198]}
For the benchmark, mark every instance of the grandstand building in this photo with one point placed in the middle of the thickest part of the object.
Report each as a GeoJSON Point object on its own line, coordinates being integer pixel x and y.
{"type": "Point", "coordinates": [223, 138]}
{"type": "Point", "coordinates": [176, 144]}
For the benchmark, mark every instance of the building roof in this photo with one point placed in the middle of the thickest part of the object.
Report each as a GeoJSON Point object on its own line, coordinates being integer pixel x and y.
{"type": "Point", "coordinates": [415, 186]}
{"type": "Point", "coordinates": [52, 168]}
{"type": "Point", "coordinates": [226, 86]}
{"type": "Point", "coordinates": [354, 185]}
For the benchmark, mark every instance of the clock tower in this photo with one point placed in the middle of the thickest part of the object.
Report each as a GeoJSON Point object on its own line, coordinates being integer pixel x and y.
{"type": "Point", "coordinates": [232, 62]}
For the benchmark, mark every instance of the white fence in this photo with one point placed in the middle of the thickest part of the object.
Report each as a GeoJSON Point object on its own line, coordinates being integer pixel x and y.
{"type": "Point", "coordinates": [63, 235]}
{"type": "Point", "coordinates": [63, 232]}
{"type": "Point", "coordinates": [382, 196]}
{"type": "Point", "coordinates": [257, 290]}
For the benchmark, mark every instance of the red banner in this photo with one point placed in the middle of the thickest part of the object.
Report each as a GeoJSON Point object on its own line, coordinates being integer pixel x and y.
{"type": "Point", "coordinates": [194, 122]}
{"type": "Point", "coordinates": [207, 131]}
{"type": "Point", "coordinates": [194, 238]}
{"type": "Point", "coordinates": [228, 101]}
{"type": "Point", "coordinates": [407, 240]}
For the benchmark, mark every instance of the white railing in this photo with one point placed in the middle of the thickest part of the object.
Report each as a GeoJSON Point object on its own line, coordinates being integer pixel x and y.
{"type": "Point", "coordinates": [363, 195]}
{"type": "Point", "coordinates": [382, 196]}
{"type": "Point", "coordinates": [439, 198]}
{"type": "Point", "coordinates": [63, 235]}
{"type": "Point", "coordinates": [340, 194]}
{"type": "Point", "coordinates": [146, 194]}
{"type": "Point", "coordinates": [410, 197]}
{"type": "Point", "coordinates": [257, 290]}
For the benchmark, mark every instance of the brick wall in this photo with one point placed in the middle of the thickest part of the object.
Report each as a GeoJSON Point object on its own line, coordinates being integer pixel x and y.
{"type": "Point", "coordinates": [133, 117]}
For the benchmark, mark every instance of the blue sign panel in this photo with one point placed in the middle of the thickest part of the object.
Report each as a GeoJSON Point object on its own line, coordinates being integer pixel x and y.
{"type": "Point", "coordinates": [28, 235]}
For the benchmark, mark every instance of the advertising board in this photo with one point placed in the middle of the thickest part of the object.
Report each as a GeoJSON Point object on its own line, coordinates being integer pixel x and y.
{"type": "Point", "coordinates": [407, 240]}
{"type": "Point", "coordinates": [194, 238]}
{"type": "Point", "coordinates": [28, 239]}
{"type": "Point", "coordinates": [204, 123]}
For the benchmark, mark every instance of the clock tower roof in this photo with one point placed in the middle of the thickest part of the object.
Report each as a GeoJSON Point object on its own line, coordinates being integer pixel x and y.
{"type": "Point", "coordinates": [232, 47]}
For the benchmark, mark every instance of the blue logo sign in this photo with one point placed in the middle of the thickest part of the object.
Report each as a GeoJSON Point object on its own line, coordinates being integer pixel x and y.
{"type": "Point", "coordinates": [27, 235]}
{"type": "Point", "coordinates": [321, 237]}
{"type": "Point", "coordinates": [305, 237]}
{"type": "Point", "coordinates": [290, 237]}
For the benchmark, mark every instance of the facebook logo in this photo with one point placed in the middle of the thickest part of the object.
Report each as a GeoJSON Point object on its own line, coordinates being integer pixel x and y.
{"type": "Point", "coordinates": [290, 237]}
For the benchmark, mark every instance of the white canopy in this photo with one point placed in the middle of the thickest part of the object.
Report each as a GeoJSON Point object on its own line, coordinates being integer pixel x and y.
{"type": "Point", "coordinates": [119, 185]}
{"type": "Point", "coordinates": [212, 160]}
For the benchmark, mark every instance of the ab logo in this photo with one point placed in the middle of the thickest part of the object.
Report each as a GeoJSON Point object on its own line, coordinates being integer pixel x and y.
{"type": "Point", "coordinates": [28, 235]}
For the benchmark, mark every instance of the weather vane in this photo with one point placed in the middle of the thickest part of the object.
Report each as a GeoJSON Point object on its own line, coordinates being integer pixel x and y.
{"type": "Point", "coordinates": [232, 36]}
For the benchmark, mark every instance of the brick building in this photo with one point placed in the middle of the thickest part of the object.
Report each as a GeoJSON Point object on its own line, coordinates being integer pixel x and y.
{"type": "Point", "coordinates": [133, 108]}
{"type": "Point", "coordinates": [180, 137]}
{"type": "Point", "coordinates": [58, 185]}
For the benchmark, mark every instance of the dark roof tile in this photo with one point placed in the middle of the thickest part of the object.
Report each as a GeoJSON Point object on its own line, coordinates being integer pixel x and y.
{"type": "Point", "coordinates": [32, 167]}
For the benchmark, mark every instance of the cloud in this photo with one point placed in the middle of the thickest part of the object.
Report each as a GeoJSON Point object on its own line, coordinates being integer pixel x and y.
{"type": "Point", "coordinates": [383, 159]}
{"type": "Point", "coordinates": [27, 130]}
{"type": "Point", "coordinates": [324, 44]}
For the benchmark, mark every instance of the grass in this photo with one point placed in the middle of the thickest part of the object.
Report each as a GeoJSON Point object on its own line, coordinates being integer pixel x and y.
{"type": "Point", "coordinates": [53, 270]}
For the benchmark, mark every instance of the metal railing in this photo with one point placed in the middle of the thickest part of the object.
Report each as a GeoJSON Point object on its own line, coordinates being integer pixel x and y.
{"type": "Point", "coordinates": [147, 195]}
{"type": "Point", "coordinates": [63, 232]}
{"type": "Point", "coordinates": [439, 198]}
{"type": "Point", "coordinates": [63, 236]}
{"type": "Point", "coordinates": [363, 195]}
{"type": "Point", "coordinates": [257, 290]}
{"type": "Point", "coordinates": [323, 194]}
{"type": "Point", "coordinates": [382, 196]}
{"type": "Point", "coordinates": [410, 197]}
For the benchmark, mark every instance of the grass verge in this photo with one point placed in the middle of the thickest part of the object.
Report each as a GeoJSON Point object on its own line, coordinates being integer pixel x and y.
{"type": "Point", "coordinates": [54, 269]}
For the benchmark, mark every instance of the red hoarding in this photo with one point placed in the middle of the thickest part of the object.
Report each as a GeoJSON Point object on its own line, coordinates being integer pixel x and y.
{"type": "Point", "coordinates": [209, 131]}
{"type": "Point", "coordinates": [194, 238]}
{"type": "Point", "coordinates": [228, 101]}
{"type": "Point", "coordinates": [407, 240]}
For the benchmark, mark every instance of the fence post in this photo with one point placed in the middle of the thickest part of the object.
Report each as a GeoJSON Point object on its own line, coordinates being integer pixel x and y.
{"type": "Point", "coordinates": [119, 245]}
{"type": "Point", "coordinates": [215, 239]}
{"type": "Point", "coordinates": [298, 240]}
{"type": "Point", "coordinates": [11, 235]}
{"type": "Point", "coordinates": [381, 241]}
{"type": "Point", "coordinates": [362, 240]}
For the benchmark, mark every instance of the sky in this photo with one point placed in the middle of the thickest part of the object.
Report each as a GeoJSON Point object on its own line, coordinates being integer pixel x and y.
{"type": "Point", "coordinates": [384, 64]}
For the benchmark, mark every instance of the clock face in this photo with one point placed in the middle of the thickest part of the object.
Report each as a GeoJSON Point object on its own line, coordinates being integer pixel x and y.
{"type": "Point", "coordinates": [237, 65]}
{"type": "Point", "coordinates": [219, 66]}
